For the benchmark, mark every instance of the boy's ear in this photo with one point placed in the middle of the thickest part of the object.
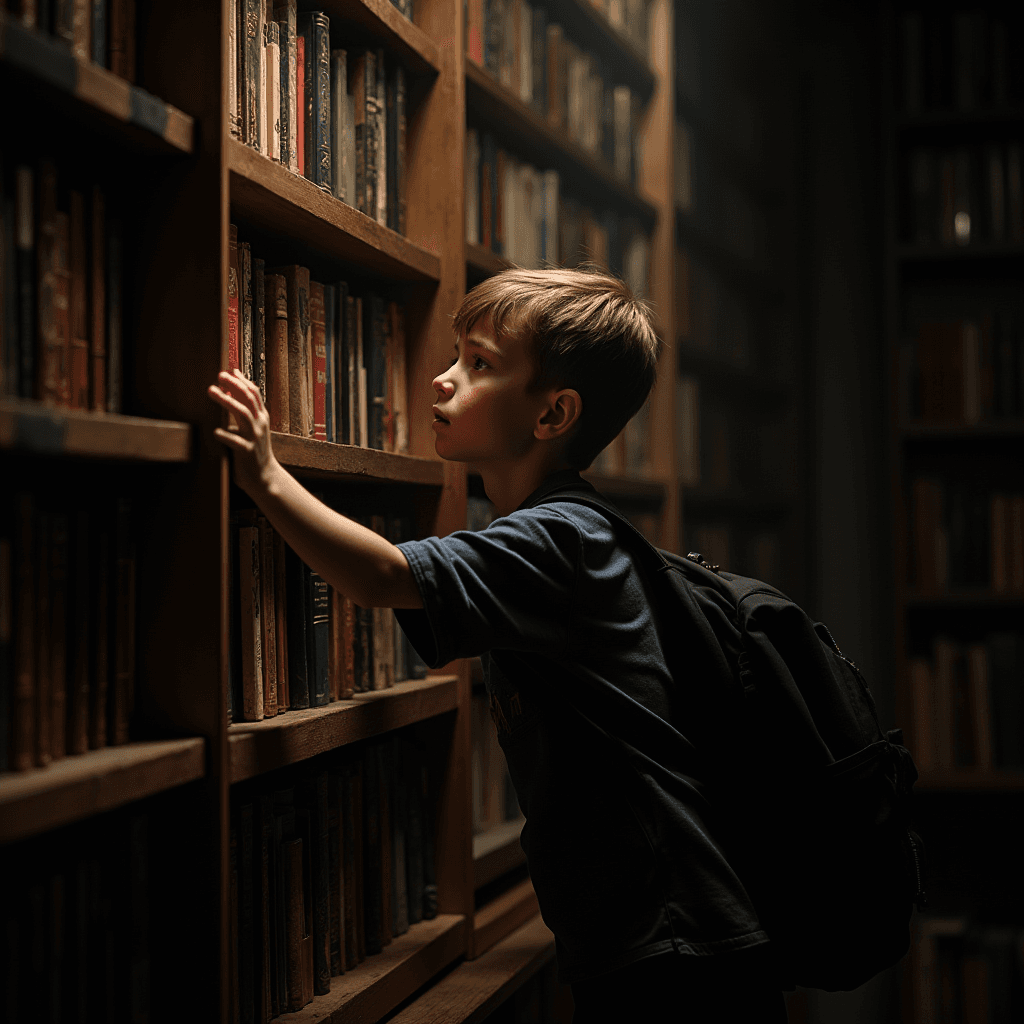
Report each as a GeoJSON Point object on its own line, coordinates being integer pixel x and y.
{"type": "Point", "coordinates": [562, 415]}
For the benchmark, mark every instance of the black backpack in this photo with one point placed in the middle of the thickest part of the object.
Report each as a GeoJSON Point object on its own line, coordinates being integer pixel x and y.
{"type": "Point", "coordinates": [817, 800]}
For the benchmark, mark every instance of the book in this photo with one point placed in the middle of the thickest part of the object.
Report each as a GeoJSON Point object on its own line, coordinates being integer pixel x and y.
{"type": "Point", "coordinates": [250, 595]}
{"type": "Point", "coordinates": [114, 298]}
{"type": "Point", "coordinates": [300, 396]}
{"type": "Point", "coordinates": [245, 309]}
{"type": "Point", "coordinates": [277, 340]}
{"type": "Point", "coordinates": [268, 616]}
{"type": "Point", "coordinates": [357, 79]}
{"type": "Point", "coordinates": [234, 302]}
{"type": "Point", "coordinates": [314, 29]}
{"type": "Point", "coordinates": [341, 129]}
{"type": "Point", "coordinates": [380, 149]}
{"type": "Point", "coordinates": [42, 639]}
{"type": "Point", "coordinates": [259, 328]}
{"type": "Point", "coordinates": [281, 619]}
{"type": "Point", "coordinates": [299, 626]}
{"type": "Point", "coordinates": [319, 353]}
{"type": "Point", "coordinates": [285, 14]}
{"type": "Point", "coordinates": [83, 578]}
{"type": "Point", "coordinates": [330, 363]}
{"type": "Point", "coordinates": [272, 116]}
{"type": "Point", "coordinates": [319, 640]}
{"type": "Point", "coordinates": [97, 303]}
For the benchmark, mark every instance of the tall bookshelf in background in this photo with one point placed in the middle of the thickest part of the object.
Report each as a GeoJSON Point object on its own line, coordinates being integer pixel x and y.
{"type": "Point", "coordinates": [740, 400]}
{"type": "Point", "coordinates": [953, 117]}
{"type": "Point", "coordinates": [161, 826]}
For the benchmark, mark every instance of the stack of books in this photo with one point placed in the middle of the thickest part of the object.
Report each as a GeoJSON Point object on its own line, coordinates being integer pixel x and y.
{"type": "Point", "coordinates": [295, 641]}
{"type": "Point", "coordinates": [328, 867]}
{"type": "Point", "coordinates": [329, 361]}
{"type": "Point", "coordinates": [67, 628]}
{"type": "Point", "coordinates": [336, 116]}
{"type": "Point", "coordinates": [61, 291]}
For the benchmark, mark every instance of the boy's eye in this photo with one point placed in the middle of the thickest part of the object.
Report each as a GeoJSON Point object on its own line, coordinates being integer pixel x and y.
{"type": "Point", "coordinates": [476, 359]}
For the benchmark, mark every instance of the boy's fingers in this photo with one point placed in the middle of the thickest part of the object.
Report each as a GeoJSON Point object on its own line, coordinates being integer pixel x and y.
{"type": "Point", "coordinates": [249, 389]}
{"type": "Point", "coordinates": [233, 440]}
{"type": "Point", "coordinates": [231, 403]}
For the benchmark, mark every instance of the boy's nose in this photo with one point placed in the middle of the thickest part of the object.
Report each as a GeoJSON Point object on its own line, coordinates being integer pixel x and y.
{"type": "Point", "coordinates": [443, 388]}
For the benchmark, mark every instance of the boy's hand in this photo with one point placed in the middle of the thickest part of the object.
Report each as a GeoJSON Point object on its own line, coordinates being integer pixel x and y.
{"type": "Point", "coordinates": [250, 441]}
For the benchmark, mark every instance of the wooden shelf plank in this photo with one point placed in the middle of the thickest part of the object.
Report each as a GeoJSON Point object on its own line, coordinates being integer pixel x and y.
{"type": "Point", "coordinates": [503, 915]}
{"type": "Point", "coordinates": [497, 851]}
{"type": "Point", "coordinates": [533, 138]}
{"type": "Point", "coordinates": [382, 22]}
{"type": "Point", "coordinates": [472, 991]}
{"type": "Point", "coordinates": [384, 980]}
{"type": "Point", "coordinates": [92, 87]}
{"type": "Point", "coordinates": [257, 747]}
{"type": "Point", "coordinates": [273, 197]}
{"type": "Point", "coordinates": [79, 786]}
{"type": "Point", "coordinates": [53, 430]}
{"type": "Point", "coordinates": [322, 457]}
{"type": "Point", "coordinates": [972, 780]}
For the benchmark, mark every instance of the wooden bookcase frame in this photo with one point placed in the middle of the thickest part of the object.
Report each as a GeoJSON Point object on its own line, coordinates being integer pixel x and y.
{"type": "Point", "coordinates": [180, 342]}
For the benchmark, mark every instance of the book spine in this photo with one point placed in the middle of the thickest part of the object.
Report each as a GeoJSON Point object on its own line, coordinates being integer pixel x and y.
{"type": "Point", "coordinates": [336, 640]}
{"type": "Point", "coordinates": [281, 618]}
{"type": "Point", "coordinates": [24, 625]}
{"type": "Point", "coordinates": [372, 852]}
{"type": "Point", "coordinates": [97, 355]}
{"type": "Point", "coordinates": [247, 911]}
{"type": "Point", "coordinates": [252, 124]}
{"type": "Point", "coordinates": [306, 69]}
{"type": "Point", "coordinates": [234, 109]}
{"type": "Point", "coordinates": [114, 292]}
{"type": "Point", "coordinates": [298, 625]}
{"type": "Point", "coordinates": [79, 341]}
{"type": "Point", "coordinates": [351, 852]}
{"type": "Point", "coordinates": [391, 139]}
{"type": "Point", "coordinates": [272, 116]}
{"type": "Point", "coordinates": [252, 646]}
{"type": "Point", "coordinates": [320, 861]}
{"type": "Point", "coordinates": [374, 328]}
{"type": "Point", "coordinates": [48, 384]}
{"type": "Point", "coordinates": [373, 116]}
{"type": "Point", "coordinates": [286, 84]}
{"type": "Point", "coordinates": [357, 89]}
{"type": "Point", "coordinates": [234, 333]}
{"type": "Point", "coordinates": [62, 306]}
{"type": "Point", "coordinates": [330, 358]}
{"type": "Point", "coordinates": [335, 872]}
{"type": "Point", "coordinates": [398, 387]}
{"type": "Point", "coordinates": [320, 114]}
{"type": "Point", "coordinates": [318, 332]}
{"type": "Point", "coordinates": [85, 579]}
{"type": "Point", "coordinates": [295, 921]}
{"type": "Point", "coordinates": [401, 129]}
{"type": "Point", "coordinates": [25, 274]}
{"type": "Point", "coordinates": [41, 716]}
{"type": "Point", "coordinates": [276, 296]}
{"type": "Point", "coordinates": [300, 401]}
{"type": "Point", "coordinates": [363, 340]}
{"type": "Point", "coordinates": [349, 640]}
{"type": "Point", "coordinates": [58, 640]}
{"type": "Point", "coordinates": [99, 623]}
{"type": "Point", "coordinates": [259, 328]}
{"type": "Point", "coordinates": [486, 193]}
{"type": "Point", "coordinates": [351, 371]}
{"type": "Point", "coordinates": [380, 142]}
{"type": "Point", "coordinates": [339, 113]}
{"type": "Point", "coordinates": [245, 308]}
{"type": "Point", "coordinates": [268, 607]}
{"type": "Point", "coordinates": [318, 639]}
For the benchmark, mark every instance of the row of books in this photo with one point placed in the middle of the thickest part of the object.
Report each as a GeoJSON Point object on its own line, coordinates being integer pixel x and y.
{"type": "Point", "coordinates": [958, 60]}
{"type": "Point", "coordinates": [968, 706]}
{"type": "Point", "coordinates": [564, 84]}
{"type": "Point", "coordinates": [101, 31]}
{"type": "Point", "coordinates": [718, 208]}
{"type": "Point", "coordinates": [965, 534]}
{"type": "Point", "coordinates": [61, 292]}
{"type": "Point", "coordinates": [295, 641]}
{"type": "Point", "coordinates": [330, 363]}
{"type": "Point", "coordinates": [75, 924]}
{"type": "Point", "coordinates": [966, 371]}
{"type": "Point", "coordinates": [67, 631]}
{"type": "Point", "coordinates": [336, 116]}
{"type": "Point", "coordinates": [964, 196]}
{"type": "Point", "coordinates": [710, 317]}
{"type": "Point", "coordinates": [967, 971]}
{"type": "Point", "coordinates": [522, 213]}
{"type": "Point", "coordinates": [326, 870]}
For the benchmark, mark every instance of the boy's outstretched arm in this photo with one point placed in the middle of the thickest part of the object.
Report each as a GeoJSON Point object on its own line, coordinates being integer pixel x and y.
{"type": "Point", "coordinates": [356, 561]}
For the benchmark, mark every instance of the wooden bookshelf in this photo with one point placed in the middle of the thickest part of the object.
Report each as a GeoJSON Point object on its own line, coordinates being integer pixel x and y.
{"type": "Point", "coordinates": [947, 284]}
{"type": "Point", "coordinates": [81, 785]}
{"type": "Point", "coordinates": [92, 91]}
{"type": "Point", "coordinates": [489, 102]}
{"type": "Point", "coordinates": [475, 989]}
{"type": "Point", "coordinates": [381, 982]}
{"type": "Point", "coordinates": [38, 429]}
{"type": "Point", "coordinates": [272, 197]}
{"type": "Point", "coordinates": [194, 181]}
{"type": "Point", "coordinates": [294, 736]}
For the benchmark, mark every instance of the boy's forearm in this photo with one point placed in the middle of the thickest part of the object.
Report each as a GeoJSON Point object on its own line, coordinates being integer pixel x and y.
{"type": "Point", "coordinates": [356, 561]}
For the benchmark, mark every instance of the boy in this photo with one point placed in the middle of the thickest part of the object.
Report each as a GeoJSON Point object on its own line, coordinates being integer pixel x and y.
{"type": "Point", "coordinates": [548, 366]}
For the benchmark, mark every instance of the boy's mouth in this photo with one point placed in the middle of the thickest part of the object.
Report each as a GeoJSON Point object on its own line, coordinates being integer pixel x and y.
{"type": "Point", "coordinates": [438, 418]}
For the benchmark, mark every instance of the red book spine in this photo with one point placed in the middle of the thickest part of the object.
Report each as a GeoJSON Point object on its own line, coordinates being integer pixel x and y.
{"type": "Point", "coordinates": [300, 96]}
{"type": "Point", "coordinates": [318, 329]}
{"type": "Point", "coordinates": [234, 350]}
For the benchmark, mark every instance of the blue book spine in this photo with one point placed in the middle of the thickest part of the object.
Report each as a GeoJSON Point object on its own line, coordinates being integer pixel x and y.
{"type": "Point", "coordinates": [330, 344]}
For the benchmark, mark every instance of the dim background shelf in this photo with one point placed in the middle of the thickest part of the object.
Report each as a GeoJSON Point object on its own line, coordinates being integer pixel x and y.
{"type": "Point", "coordinates": [497, 851]}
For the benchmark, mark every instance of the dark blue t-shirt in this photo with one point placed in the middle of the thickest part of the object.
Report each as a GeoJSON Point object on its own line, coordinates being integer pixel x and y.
{"type": "Point", "coordinates": [620, 846]}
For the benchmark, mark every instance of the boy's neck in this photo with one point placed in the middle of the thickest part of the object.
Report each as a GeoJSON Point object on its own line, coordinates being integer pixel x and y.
{"type": "Point", "coordinates": [508, 484]}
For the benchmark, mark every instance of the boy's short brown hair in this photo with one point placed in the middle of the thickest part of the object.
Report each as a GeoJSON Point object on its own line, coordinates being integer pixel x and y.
{"type": "Point", "coordinates": [588, 331]}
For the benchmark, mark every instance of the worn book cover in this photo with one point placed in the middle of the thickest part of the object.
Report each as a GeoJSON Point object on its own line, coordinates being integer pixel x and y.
{"type": "Point", "coordinates": [299, 628]}
{"type": "Point", "coordinates": [330, 362]}
{"type": "Point", "coordinates": [97, 302]}
{"type": "Point", "coordinates": [318, 333]}
{"type": "Point", "coordinates": [245, 308]}
{"type": "Point", "coordinates": [259, 328]}
{"type": "Point", "coordinates": [251, 599]}
{"type": "Point", "coordinates": [300, 397]}
{"type": "Point", "coordinates": [276, 299]}
{"type": "Point", "coordinates": [42, 711]}
{"type": "Point", "coordinates": [79, 370]}
{"type": "Point", "coordinates": [268, 608]}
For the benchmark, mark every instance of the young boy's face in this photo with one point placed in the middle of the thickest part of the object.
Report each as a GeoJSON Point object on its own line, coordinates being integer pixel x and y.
{"type": "Point", "coordinates": [483, 412]}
